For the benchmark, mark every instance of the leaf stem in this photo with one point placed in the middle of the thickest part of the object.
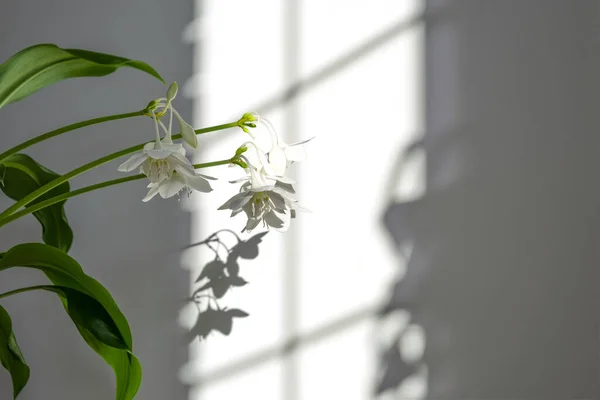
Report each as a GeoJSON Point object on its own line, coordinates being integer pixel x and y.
{"type": "Point", "coordinates": [103, 160]}
{"type": "Point", "coordinates": [53, 200]}
{"type": "Point", "coordinates": [65, 129]}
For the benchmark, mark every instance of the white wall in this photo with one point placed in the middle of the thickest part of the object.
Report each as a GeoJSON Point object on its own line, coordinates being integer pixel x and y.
{"type": "Point", "coordinates": [349, 73]}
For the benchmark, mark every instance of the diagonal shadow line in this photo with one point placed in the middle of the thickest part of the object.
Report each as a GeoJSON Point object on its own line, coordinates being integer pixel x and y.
{"type": "Point", "coordinates": [287, 348]}
{"type": "Point", "coordinates": [341, 63]}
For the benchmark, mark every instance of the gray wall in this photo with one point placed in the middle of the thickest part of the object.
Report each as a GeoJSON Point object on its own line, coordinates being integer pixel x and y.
{"type": "Point", "coordinates": [508, 236]}
{"type": "Point", "coordinates": [121, 241]}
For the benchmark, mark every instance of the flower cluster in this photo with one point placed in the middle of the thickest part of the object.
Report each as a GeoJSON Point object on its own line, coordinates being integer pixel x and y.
{"type": "Point", "coordinates": [266, 195]}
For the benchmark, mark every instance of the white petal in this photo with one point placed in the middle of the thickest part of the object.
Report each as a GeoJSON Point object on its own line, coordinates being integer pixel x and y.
{"type": "Point", "coordinates": [287, 187]}
{"type": "Point", "coordinates": [301, 142]}
{"type": "Point", "coordinates": [159, 154]}
{"type": "Point", "coordinates": [170, 187]}
{"type": "Point", "coordinates": [182, 158]}
{"type": "Point", "coordinates": [146, 169]}
{"type": "Point", "coordinates": [242, 179]}
{"type": "Point", "coordinates": [251, 156]}
{"type": "Point", "coordinates": [151, 193]}
{"type": "Point", "coordinates": [252, 223]}
{"type": "Point", "coordinates": [295, 153]}
{"type": "Point", "coordinates": [273, 220]}
{"type": "Point", "coordinates": [237, 201]}
{"type": "Point", "coordinates": [285, 180]}
{"type": "Point", "coordinates": [260, 182]}
{"type": "Point", "coordinates": [278, 161]}
{"type": "Point", "coordinates": [253, 210]}
{"type": "Point", "coordinates": [285, 219]}
{"type": "Point", "coordinates": [245, 187]}
{"type": "Point", "coordinates": [300, 208]}
{"type": "Point", "coordinates": [198, 183]}
{"type": "Point", "coordinates": [173, 147]}
{"type": "Point", "coordinates": [236, 212]}
{"type": "Point", "coordinates": [283, 192]}
{"type": "Point", "coordinates": [133, 162]}
{"type": "Point", "coordinates": [212, 178]}
{"type": "Point", "coordinates": [257, 159]}
{"type": "Point", "coordinates": [266, 165]}
{"type": "Point", "coordinates": [149, 146]}
{"type": "Point", "coordinates": [182, 168]}
{"type": "Point", "coordinates": [278, 200]}
{"type": "Point", "coordinates": [262, 140]}
{"type": "Point", "coordinates": [264, 135]}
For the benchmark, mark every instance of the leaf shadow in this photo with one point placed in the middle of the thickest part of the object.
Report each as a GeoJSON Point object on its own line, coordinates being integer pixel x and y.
{"type": "Point", "coordinates": [216, 279]}
{"type": "Point", "coordinates": [402, 220]}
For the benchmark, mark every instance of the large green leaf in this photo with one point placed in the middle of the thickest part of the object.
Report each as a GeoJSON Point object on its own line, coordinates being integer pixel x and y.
{"type": "Point", "coordinates": [89, 315]}
{"type": "Point", "coordinates": [10, 354]}
{"type": "Point", "coordinates": [21, 176]}
{"type": "Point", "coordinates": [64, 271]}
{"type": "Point", "coordinates": [42, 65]}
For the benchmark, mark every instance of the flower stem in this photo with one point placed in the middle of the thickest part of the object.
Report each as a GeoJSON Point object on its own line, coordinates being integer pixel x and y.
{"type": "Point", "coordinates": [53, 200]}
{"type": "Point", "coordinates": [103, 160]}
{"type": "Point", "coordinates": [25, 289]}
{"type": "Point", "coordinates": [65, 129]}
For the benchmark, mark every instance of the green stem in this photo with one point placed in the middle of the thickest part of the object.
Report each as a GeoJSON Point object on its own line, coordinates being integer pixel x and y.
{"type": "Point", "coordinates": [65, 129]}
{"type": "Point", "coordinates": [53, 200]}
{"type": "Point", "coordinates": [103, 160]}
{"type": "Point", "coordinates": [26, 289]}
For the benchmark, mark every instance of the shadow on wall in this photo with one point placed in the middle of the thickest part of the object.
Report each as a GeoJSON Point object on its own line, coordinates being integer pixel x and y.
{"type": "Point", "coordinates": [216, 278]}
{"type": "Point", "coordinates": [504, 269]}
{"type": "Point", "coordinates": [502, 256]}
{"type": "Point", "coordinates": [402, 220]}
{"type": "Point", "coordinates": [416, 224]}
{"type": "Point", "coordinates": [501, 273]}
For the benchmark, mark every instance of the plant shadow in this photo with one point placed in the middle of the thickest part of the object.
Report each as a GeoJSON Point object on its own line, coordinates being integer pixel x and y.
{"type": "Point", "coordinates": [218, 277]}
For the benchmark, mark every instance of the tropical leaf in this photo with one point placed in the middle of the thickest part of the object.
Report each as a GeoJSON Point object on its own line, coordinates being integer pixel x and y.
{"type": "Point", "coordinates": [10, 354]}
{"type": "Point", "coordinates": [41, 65]}
{"type": "Point", "coordinates": [65, 272]}
{"type": "Point", "coordinates": [21, 176]}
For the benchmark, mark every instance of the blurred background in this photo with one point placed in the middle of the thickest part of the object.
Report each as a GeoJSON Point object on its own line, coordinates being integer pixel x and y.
{"type": "Point", "coordinates": [451, 248]}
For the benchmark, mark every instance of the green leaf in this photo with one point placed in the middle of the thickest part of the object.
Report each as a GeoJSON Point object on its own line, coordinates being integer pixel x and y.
{"type": "Point", "coordinates": [64, 271]}
{"type": "Point", "coordinates": [39, 66]}
{"type": "Point", "coordinates": [89, 315]}
{"type": "Point", "coordinates": [21, 176]}
{"type": "Point", "coordinates": [10, 354]}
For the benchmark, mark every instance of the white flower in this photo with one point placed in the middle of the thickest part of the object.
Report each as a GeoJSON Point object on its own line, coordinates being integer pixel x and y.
{"type": "Point", "coordinates": [179, 181]}
{"type": "Point", "coordinates": [265, 200]}
{"type": "Point", "coordinates": [256, 159]}
{"type": "Point", "coordinates": [166, 166]}
{"type": "Point", "coordinates": [278, 153]}
{"type": "Point", "coordinates": [267, 194]}
{"type": "Point", "coordinates": [158, 160]}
